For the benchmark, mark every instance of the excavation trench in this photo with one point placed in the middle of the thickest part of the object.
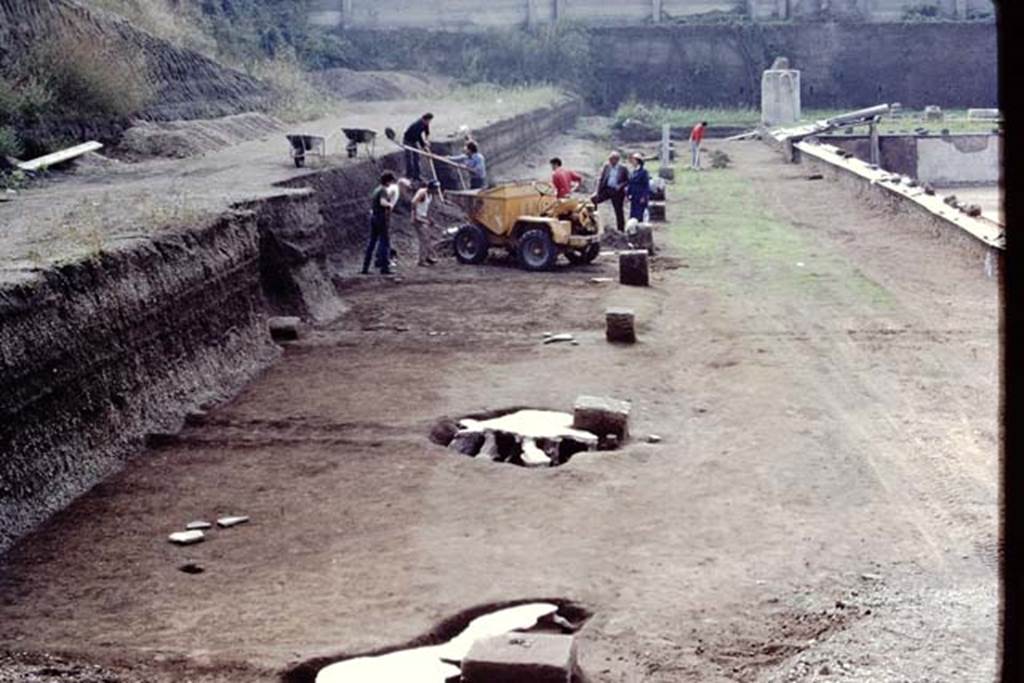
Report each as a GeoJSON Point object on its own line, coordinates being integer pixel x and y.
{"type": "Point", "coordinates": [438, 656]}
{"type": "Point", "coordinates": [525, 437]}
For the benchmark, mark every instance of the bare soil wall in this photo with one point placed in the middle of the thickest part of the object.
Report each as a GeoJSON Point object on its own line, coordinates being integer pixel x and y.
{"type": "Point", "coordinates": [98, 354]}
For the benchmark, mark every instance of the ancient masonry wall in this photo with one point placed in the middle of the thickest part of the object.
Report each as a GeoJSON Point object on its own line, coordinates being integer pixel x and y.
{"type": "Point", "coordinates": [99, 354]}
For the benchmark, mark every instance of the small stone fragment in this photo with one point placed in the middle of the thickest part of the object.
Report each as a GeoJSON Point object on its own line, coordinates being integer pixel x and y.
{"type": "Point", "coordinates": [871, 577]}
{"type": "Point", "coordinates": [444, 432]}
{"type": "Point", "coordinates": [228, 522]}
{"type": "Point", "coordinates": [187, 537]}
{"type": "Point", "coordinates": [929, 189]}
{"type": "Point", "coordinates": [601, 280]}
{"type": "Point", "coordinates": [654, 438]}
{"type": "Point", "coordinates": [198, 526]}
{"type": "Point", "coordinates": [973, 210]}
{"type": "Point", "coordinates": [191, 568]}
{"type": "Point", "coordinates": [557, 338]}
{"type": "Point", "coordinates": [533, 456]}
{"type": "Point", "coordinates": [194, 418]}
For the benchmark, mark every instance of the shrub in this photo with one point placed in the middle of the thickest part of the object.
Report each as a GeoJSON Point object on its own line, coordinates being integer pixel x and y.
{"type": "Point", "coordinates": [924, 11]}
{"type": "Point", "coordinates": [92, 78]}
{"type": "Point", "coordinates": [10, 144]}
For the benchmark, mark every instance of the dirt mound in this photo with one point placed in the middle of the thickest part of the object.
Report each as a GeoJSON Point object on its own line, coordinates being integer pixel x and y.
{"type": "Point", "coordinates": [370, 86]}
{"type": "Point", "coordinates": [187, 85]}
{"type": "Point", "coordinates": [181, 139]}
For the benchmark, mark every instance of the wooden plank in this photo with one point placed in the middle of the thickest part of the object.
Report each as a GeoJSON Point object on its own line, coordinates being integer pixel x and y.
{"type": "Point", "coordinates": [60, 157]}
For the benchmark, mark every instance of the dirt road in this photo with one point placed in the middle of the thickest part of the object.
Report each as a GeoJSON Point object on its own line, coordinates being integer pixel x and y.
{"type": "Point", "coordinates": [823, 506]}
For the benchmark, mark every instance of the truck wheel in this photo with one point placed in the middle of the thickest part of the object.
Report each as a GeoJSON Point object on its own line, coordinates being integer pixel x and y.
{"type": "Point", "coordinates": [471, 244]}
{"type": "Point", "coordinates": [536, 250]}
{"type": "Point", "coordinates": [586, 255]}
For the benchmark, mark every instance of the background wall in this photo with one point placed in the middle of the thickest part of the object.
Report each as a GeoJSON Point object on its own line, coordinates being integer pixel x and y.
{"type": "Point", "coordinates": [469, 14]}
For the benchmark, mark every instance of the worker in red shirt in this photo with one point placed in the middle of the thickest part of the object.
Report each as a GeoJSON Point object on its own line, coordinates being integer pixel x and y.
{"type": "Point", "coordinates": [563, 180]}
{"type": "Point", "coordinates": [696, 138]}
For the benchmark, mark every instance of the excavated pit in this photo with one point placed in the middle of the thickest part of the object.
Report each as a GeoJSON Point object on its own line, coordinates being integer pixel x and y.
{"type": "Point", "coordinates": [432, 657]}
{"type": "Point", "coordinates": [524, 437]}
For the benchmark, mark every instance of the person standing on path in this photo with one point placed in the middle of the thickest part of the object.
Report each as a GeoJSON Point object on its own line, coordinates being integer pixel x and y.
{"type": "Point", "coordinates": [477, 164]}
{"type": "Point", "coordinates": [612, 185]}
{"type": "Point", "coordinates": [422, 222]}
{"type": "Point", "coordinates": [696, 139]}
{"type": "Point", "coordinates": [564, 181]}
{"type": "Point", "coordinates": [639, 188]}
{"type": "Point", "coordinates": [381, 205]}
{"type": "Point", "coordinates": [417, 136]}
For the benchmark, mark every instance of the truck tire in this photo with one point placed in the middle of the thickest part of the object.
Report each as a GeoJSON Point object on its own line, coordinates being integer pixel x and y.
{"type": "Point", "coordinates": [471, 244]}
{"type": "Point", "coordinates": [587, 255]}
{"type": "Point", "coordinates": [536, 250]}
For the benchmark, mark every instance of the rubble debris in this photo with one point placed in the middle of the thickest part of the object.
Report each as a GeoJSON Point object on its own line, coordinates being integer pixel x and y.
{"type": "Point", "coordinates": [950, 200]}
{"type": "Point", "coordinates": [444, 431]}
{"type": "Point", "coordinates": [198, 526]}
{"type": "Point", "coordinates": [973, 210]}
{"type": "Point", "coordinates": [467, 442]}
{"type": "Point", "coordinates": [187, 537]}
{"type": "Point", "coordinates": [285, 328]}
{"type": "Point", "coordinates": [929, 189]}
{"type": "Point", "coordinates": [514, 657]}
{"type": "Point", "coordinates": [530, 438]}
{"type": "Point", "coordinates": [633, 268]}
{"type": "Point", "coordinates": [620, 325]}
{"type": "Point", "coordinates": [602, 415]}
{"type": "Point", "coordinates": [228, 522]}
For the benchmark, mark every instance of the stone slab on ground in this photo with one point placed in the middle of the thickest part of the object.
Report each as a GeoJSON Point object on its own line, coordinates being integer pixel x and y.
{"type": "Point", "coordinates": [518, 657]}
{"type": "Point", "coordinates": [620, 325]}
{"type": "Point", "coordinates": [633, 268]}
{"type": "Point", "coordinates": [602, 415]}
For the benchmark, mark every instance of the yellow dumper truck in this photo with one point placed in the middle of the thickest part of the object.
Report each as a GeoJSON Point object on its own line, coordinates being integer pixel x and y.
{"type": "Point", "coordinates": [530, 221]}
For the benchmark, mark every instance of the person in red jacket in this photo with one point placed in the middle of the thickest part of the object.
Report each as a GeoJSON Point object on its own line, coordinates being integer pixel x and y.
{"type": "Point", "coordinates": [696, 138]}
{"type": "Point", "coordinates": [563, 180]}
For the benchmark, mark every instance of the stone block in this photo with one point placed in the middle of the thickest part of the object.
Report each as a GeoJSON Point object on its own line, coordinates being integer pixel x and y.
{"type": "Point", "coordinates": [633, 268]}
{"type": "Point", "coordinates": [984, 114]}
{"type": "Point", "coordinates": [933, 113]}
{"type": "Point", "coordinates": [656, 210]}
{"type": "Point", "coordinates": [642, 237]}
{"type": "Point", "coordinates": [620, 325]}
{"type": "Point", "coordinates": [780, 97]}
{"type": "Point", "coordinates": [667, 173]}
{"type": "Point", "coordinates": [286, 328]}
{"type": "Point", "coordinates": [518, 657]}
{"type": "Point", "coordinates": [602, 416]}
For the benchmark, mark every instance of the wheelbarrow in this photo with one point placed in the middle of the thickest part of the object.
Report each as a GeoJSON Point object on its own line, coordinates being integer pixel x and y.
{"type": "Point", "coordinates": [360, 136]}
{"type": "Point", "coordinates": [301, 146]}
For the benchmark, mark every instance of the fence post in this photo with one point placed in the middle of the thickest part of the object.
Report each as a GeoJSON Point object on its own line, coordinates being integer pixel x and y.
{"type": "Point", "coordinates": [656, 11]}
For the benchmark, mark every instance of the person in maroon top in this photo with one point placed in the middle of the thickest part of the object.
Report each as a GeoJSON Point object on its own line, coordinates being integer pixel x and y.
{"type": "Point", "coordinates": [696, 138]}
{"type": "Point", "coordinates": [563, 180]}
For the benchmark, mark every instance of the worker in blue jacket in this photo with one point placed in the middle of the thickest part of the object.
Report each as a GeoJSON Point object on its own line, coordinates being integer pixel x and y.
{"type": "Point", "coordinates": [639, 188]}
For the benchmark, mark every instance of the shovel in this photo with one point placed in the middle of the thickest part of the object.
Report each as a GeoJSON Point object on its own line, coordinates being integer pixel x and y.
{"type": "Point", "coordinates": [390, 134]}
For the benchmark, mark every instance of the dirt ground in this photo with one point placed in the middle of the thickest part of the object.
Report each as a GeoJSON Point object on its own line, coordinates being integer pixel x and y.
{"type": "Point", "coordinates": [823, 506]}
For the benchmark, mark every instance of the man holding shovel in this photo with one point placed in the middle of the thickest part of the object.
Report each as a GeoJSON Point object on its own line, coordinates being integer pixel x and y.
{"type": "Point", "coordinates": [417, 136]}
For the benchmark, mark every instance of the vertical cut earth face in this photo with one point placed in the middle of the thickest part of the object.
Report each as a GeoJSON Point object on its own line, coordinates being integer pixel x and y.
{"type": "Point", "coordinates": [525, 437]}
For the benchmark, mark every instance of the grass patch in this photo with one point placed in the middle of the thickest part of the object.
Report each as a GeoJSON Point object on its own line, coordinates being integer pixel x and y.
{"type": "Point", "coordinates": [733, 244]}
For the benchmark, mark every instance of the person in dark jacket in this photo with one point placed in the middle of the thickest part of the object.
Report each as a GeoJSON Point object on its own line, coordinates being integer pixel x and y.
{"type": "Point", "coordinates": [639, 188]}
{"type": "Point", "coordinates": [382, 202]}
{"type": "Point", "coordinates": [612, 186]}
{"type": "Point", "coordinates": [417, 136]}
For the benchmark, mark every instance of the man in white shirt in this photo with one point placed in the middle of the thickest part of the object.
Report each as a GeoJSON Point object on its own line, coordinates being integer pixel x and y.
{"type": "Point", "coordinates": [422, 221]}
